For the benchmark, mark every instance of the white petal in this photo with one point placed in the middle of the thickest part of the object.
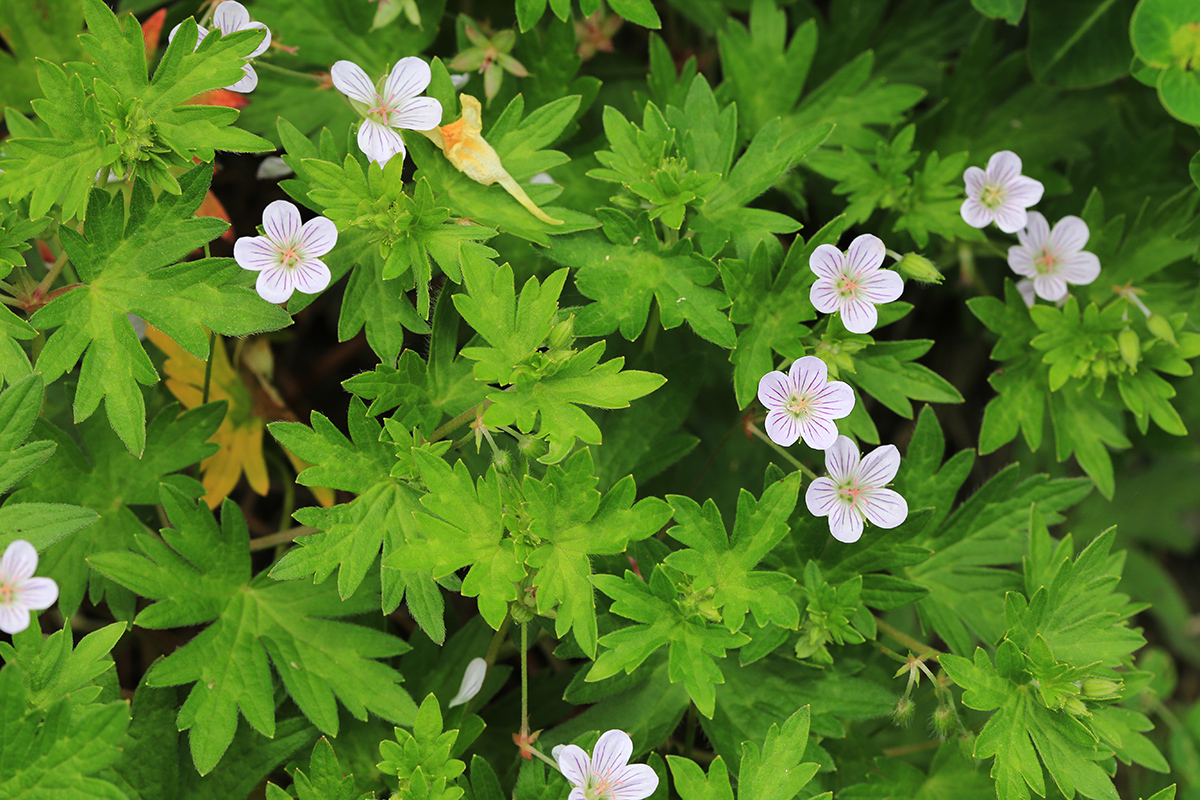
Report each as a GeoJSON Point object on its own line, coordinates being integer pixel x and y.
{"type": "Point", "coordinates": [881, 286]}
{"type": "Point", "coordinates": [18, 563]}
{"type": "Point", "coordinates": [417, 114]}
{"type": "Point", "coordinates": [1020, 258]}
{"type": "Point", "coordinates": [1025, 287]}
{"type": "Point", "coordinates": [974, 179]}
{"type": "Point", "coordinates": [635, 782]}
{"type": "Point", "coordinates": [1036, 233]}
{"type": "Point", "coordinates": [821, 497]}
{"type": "Point", "coordinates": [248, 83]}
{"type": "Point", "coordinates": [835, 400]}
{"type": "Point", "coordinates": [1069, 236]}
{"type": "Point", "coordinates": [826, 261]}
{"type": "Point", "coordinates": [281, 221]}
{"type": "Point", "coordinates": [274, 285]}
{"type": "Point", "coordinates": [774, 388]}
{"type": "Point", "coordinates": [13, 619]}
{"type": "Point", "coordinates": [408, 79]}
{"type": "Point", "coordinates": [201, 32]}
{"type": "Point", "coordinates": [1079, 269]}
{"type": "Point", "coordinates": [859, 316]}
{"type": "Point", "coordinates": [879, 466]}
{"type": "Point", "coordinates": [1011, 217]}
{"type": "Point", "coordinates": [272, 168]}
{"type": "Point", "coordinates": [542, 177]}
{"type": "Point", "coordinates": [819, 433]}
{"type": "Point", "coordinates": [1003, 167]}
{"type": "Point", "coordinates": [845, 524]}
{"type": "Point", "coordinates": [472, 682]}
{"type": "Point", "coordinates": [266, 42]}
{"type": "Point", "coordinates": [230, 16]}
{"type": "Point", "coordinates": [1050, 287]}
{"type": "Point", "coordinates": [824, 295]}
{"type": "Point", "coordinates": [975, 213]}
{"type": "Point", "coordinates": [841, 459]}
{"type": "Point", "coordinates": [865, 254]}
{"type": "Point", "coordinates": [317, 237]}
{"type": "Point", "coordinates": [459, 81]}
{"type": "Point", "coordinates": [782, 428]}
{"type": "Point", "coordinates": [1025, 192]}
{"type": "Point", "coordinates": [379, 142]}
{"type": "Point", "coordinates": [611, 753]}
{"type": "Point", "coordinates": [311, 276]}
{"type": "Point", "coordinates": [574, 764]}
{"type": "Point", "coordinates": [808, 374]}
{"type": "Point", "coordinates": [256, 253]}
{"type": "Point", "coordinates": [39, 593]}
{"type": "Point", "coordinates": [577, 794]}
{"type": "Point", "coordinates": [884, 508]}
{"type": "Point", "coordinates": [349, 79]}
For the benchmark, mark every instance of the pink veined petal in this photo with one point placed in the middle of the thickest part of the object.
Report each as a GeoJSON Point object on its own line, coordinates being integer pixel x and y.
{"type": "Point", "coordinates": [865, 254]}
{"type": "Point", "coordinates": [808, 373]}
{"type": "Point", "coordinates": [611, 753]}
{"type": "Point", "coordinates": [841, 459]}
{"type": "Point", "coordinates": [349, 79]}
{"type": "Point", "coordinates": [281, 221]}
{"type": "Point", "coordinates": [1036, 233]}
{"type": "Point", "coordinates": [311, 276]}
{"type": "Point", "coordinates": [574, 764]}
{"type": "Point", "coordinates": [821, 497]}
{"type": "Point", "coordinates": [1079, 269]}
{"type": "Point", "coordinates": [1025, 287]}
{"type": "Point", "coordinates": [824, 296]}
{"type": "Point", "coordinates": [782, 428]}
{"type": "Point", "coordinates": [826, 261]}
{"type": "Point", "coordinates": [19, 562]}
{"type": "Point", "coordinates": [408, 79]}
{"type": "Point", "coordinates": [819, 433]}
{"type": "Point", "coordinates": [1025, 192]}
{"type": "Point", "coordinates": [1003, 167]}
{"type": "Point", "coordinates": [859, 316]}
{"type": "Point", "coordinates": [275, 285]}
{"type": "Point", "coordinates": [835, 400]}
{"type": "Point", "coordinates": [1011, 217]}
{"type": "Point", "coordinates": [845, 523]}
{"type": "Point", "coordinates": [13, 619]}
{"type": "Point", "coordinates": [635, 782]}
{"type": "Point", "coordinates": [1050, 287]}
{"type": "Point", "coordinates": [39, 593]}
{"type": "Point", "coordinates": [317, 237]}
{"type": "Point", "coordinates": [881, 286]}
{"type": "Point", "coordinates": [256, 253]}
{"type": "Point", "coordinates": [773, 389]}
{"type": "Point", "coordinates": [975, 213]}
{"type": "Point", "coordinates": [201, 32]}
{"type": "Point", "coordinates": [379, 142]}
{"type": "Point", "coordinates": [884, 508]}
{"type": "Point", "coordinates": [1020, 258]}
{"type": "Point", "coordinates": [230, 16]}
{"type": "Point", "coordinates": [417, 114]}
{"type": "Point", "coordinates": [1069, 236]}
{"type": "Point", "coordinates": [577, 794]}
{"type": "Point", "coordinates": [266, 42]}
{"type": "Point", "coordinates": [974, 179]}
{"type": "Point", "coordinates": [879, 466]}
{"type": "Point", "coordinates": [248, 83]}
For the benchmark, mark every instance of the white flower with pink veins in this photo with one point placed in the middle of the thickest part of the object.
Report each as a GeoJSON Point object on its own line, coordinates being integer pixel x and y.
{"type": "Point", "coordinates": [287, 258]}
{"type": "Point", "coordinates": [853, 282]}
{"type": "Point", "coordinates": [855, 490]}
{"type": "Point", "coordinates": [20, 592]}
{"type": "Point", "coordinates": [999, 194]}
{"type": "Point", "coordinates": [804, 403]}
{"type": "Point", "coordinates": [607, 774]}
{"type": "Point", "coordinates": [1053, 258]}
{"type": "Point", "coordinates": [231, 17]}
{"type": "Point", "coordinates": [388, 110]}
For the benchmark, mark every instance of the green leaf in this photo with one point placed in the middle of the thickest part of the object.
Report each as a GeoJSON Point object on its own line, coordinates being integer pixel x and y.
{"type": "Point", "coordinates": [776, 773]}
{"type": "Point", "coordinates": [199, 572]}
{"type": "Point", "coordinates": [1010, 11]}
{"type": "Point", "coordinates": [693, 784]}
{"type": "Point", "coordinates": [19, 407]}
{"type": "Point", "coordinates": [46, 29]}
{"type": "Point", "coordinates": [325, 779]}
{"type": "Point", "coordinates": [422, 758]}
{"type": "Point", "coordinates": [55, 668]}
{"type": "Point", "coordinates": [639, 12]}
{"type": "Point", "coordinates": [1079, 43]}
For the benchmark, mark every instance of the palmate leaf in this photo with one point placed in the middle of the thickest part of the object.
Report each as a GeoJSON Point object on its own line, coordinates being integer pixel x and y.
{"type": "Point", "coordinates": [324, 780]}
{"type": "Point", "coordinates": [55, 667]}
{"type": "Point", "coordinates": [128, 265]}
{"type": "Point", "coordinates": [200, 572]}
{"type": "Point", "coordinates": [46, 29]}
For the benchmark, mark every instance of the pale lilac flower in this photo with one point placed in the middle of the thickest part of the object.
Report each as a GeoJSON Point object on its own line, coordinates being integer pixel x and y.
{"type": "Point", "coordinates": [855, 490]}
{"type": "Point", "coordinates": [853, 283]}
{"type": "Point", "coordinates": [804, 402]}
{"type": "Point", "coordinates": [19, 590]}
{"type": "Point", "coordinates": [1025, 289]}
{"type": "Point", "coordinates": [607, 774]}
{"type": "Point", "coordinates": [542, 177]}
{"type": "Point", "coordinates": [386, 111]}
{"type": "Point", "coordinates": [231, 17]}
{"type": "Point", "coordinates": [1053, 258]}
{"type": "Point", "coordinates": [272, 168]}
{"type": "Point", "coordinates": [459, 80]}
{"type": "Point", "coordinates": [288, 257]}
{"type": "Point", "coordinates": [1000, 195]}
{"type": "Point", "coordinates": [472, 682]}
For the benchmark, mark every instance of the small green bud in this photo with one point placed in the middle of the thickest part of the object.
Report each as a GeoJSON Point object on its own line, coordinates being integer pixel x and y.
{"type": "Point", "coordinates": [1130, 346]}
{"type": "Point", "coordinates": [1075, 707]}
{"type": "Point", "coordinates": [502, 460]}
{"type": "Point", "coordinates": [945, 721]}
{"type": "Point", "coordinates": [1161, 328]}
{"type": "Point", "coordinates": [1100, 368]}
{"type": "Point", "coordinates": [521, 613]}
{"type": "Point", "coordinates": [966, 746]}
{"type": "Point", "coordinates": [562, 334]}
{"type": "Point", "coordinates": [919, 268]}
{"type": "Point", "coordinates": [532, 447]}
{"type": "Point", "coordinates": [1100, 689]}
{"type": "Point", "coordinates": [903, 713]}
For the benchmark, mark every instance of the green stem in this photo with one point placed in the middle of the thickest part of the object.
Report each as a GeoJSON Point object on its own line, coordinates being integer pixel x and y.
{"type": "Point", "coordinates": [916, 645]}
{"type": "Point", "coordinates": [497, 640]}
{"type": "Point", "coordinates": [525, 678]}
{"type": "Point", "coordinates": [755, 430]}
{"type": "Point", "coordinates": [52, 275]}
{"type": "Point", "coordinates": [212, 344]}
{"type": "Point", "coordinates": [270, 540]}
{"type": "Point", "coordinates": [652, 327]}
{"type": "Point", "coordinates": [289, 72]}
{"type": "Point", "coordinates": [462, 419]}
{"type": "Point", "coordinates": [689, 736]}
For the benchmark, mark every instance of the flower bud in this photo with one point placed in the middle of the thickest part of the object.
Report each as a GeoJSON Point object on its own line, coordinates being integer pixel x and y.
{"type": "Point", "coordinates": [1075, 707]}
{"type": "Point", "coordinates": [532, 447]}
{"type": "Point", "coordinates": [903, 713]}
{"type": "Point", "coordinates": [1100, 689]}
{"type": "Point", "coordinates": [562, 334]}
{"type": "Point", "coordinates": [1130, 346]}
{"type": "Point", "coordinates": [1161, 328]}
{"type": "Point", "coordinates": [502, 460]}
{"type": "Point", "coordinates": [945, 721]}
{"type": "Point", "coordinates": [1100, 368]}
{"type": "Point", "coordinates": [919, 268]}
{"type": "Point", "coordinates": [520, 612]}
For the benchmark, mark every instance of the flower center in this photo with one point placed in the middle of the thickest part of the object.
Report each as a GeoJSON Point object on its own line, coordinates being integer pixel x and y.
{"type": "Point", "coordinates": [848, 285]}
{"type": "Point", "coordinates": [1046, 262]}
{"type": "Point", "coordinates": [599, 788]}
{"type": "Point", "coordinates": [7, 594]}
{"type": "Point", "coordinates": [798, 405]}
{"type": "Point", "coordinates": [851, 492]}
{"type": "Point", "coordinates": [379, 111]}
{"type": "Point", "coordinates": [289, 258]}
{"type": "Point", "coordinates": [992, 196]}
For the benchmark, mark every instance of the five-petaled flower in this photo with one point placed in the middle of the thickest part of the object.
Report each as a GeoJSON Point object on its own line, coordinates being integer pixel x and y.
{"type": "Point", "coordinates": [855, 490]}
{"type": "Point", "coordinates": [804, 402]}
{"type": "Point", "coordinates": [288, 257]}
{"type": "Point", "coordinates": [607, 775]}
{"type": "Point", "coordinates": [231, 17]}
{"type": "Point", "coordinates": [472, 682]}
{"type": "Point", "coordinates": [394, 107]}
{"type": "Point", "coordinates": [19, 590]}
{"type": "Point", "coordinates": [1000, 195]}
{"type": "Point", "coordinates": [1053, 258]}
{"type": "Point", "coordinates": [853, 283]}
